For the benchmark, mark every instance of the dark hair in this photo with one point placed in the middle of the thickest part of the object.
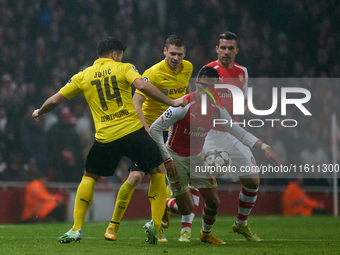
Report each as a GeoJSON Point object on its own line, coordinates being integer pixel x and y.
{"type": "Point", "coordinates": [227, 36]}
{"type": "Point", "coordinates": [108, 45]}
{"type": "Point", "coordinates": [208, 71]}
{"type": "Point", "coordinates": [176, 40]}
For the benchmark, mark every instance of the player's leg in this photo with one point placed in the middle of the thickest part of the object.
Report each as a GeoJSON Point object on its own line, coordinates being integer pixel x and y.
{"type": "Point", "coordinates": [166, 215]}
{"type": "Point", "coordinates": [99, 162]}
{"type": "Point", "coordinates": [145, 153]}
{"type": "Point", "coordinates": [157, 194]}
{"type": "Point", "coordinates": [82, 203]}
{"type": "Point", "coordinates": [242, 156]}
{"type": "Point", "coordinates": [210, 208]}
{"type": "Point", "coordinates": [157, 198]}
{"type": "Point", "coordinates": [182, 204]}
{"type": "Point", "coordinates": [122, 201]}
{"type": "Point", "coordinates": [247, 199]}
{"type": "Point", "coordinates": [182, 201]}
{"type": "Point", "coordinates": [188, 219]}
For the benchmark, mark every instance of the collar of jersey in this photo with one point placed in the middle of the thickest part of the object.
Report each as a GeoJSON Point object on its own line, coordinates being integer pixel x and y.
{"type": "Point", "coordinates": [100, 60]}
{"type": "Point", "coordinates": [169, 70]}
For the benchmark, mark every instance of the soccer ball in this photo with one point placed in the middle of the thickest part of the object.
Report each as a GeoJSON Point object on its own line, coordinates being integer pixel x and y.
{"type": "Point", "coordinates": [217, 161]}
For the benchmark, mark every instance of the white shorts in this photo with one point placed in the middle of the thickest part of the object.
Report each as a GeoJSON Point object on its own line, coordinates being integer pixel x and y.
{"type": "Point", "coordinates": [241, 156]}
{"type": "Point", "coordinates": [185, 165]}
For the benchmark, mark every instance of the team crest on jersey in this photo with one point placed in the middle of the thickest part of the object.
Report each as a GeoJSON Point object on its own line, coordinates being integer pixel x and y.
{"type": "Point", "coordinates": [178, 185]}
{"type": "Point", "coordinates": [146, 79]}
{"type": "Point", "coordinates": [253, 161]}
{"type": "Point", "coordinates": [240, 76]}
{"type": "Point", "coordinates": [134, 68]}
{"type": "Point", "coordinates": [164, 91]}
{"type": "Point", "coordinates": [168, 114]}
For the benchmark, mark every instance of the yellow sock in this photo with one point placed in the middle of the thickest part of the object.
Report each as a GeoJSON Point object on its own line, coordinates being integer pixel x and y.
{"type": "Point", "coordinates": [123, 199]}
{"type": "Point", "coordinates": [168, 192]}
{"type": "Point", "coordinates": [157, 198]}
{"type": "Point", "coordinates": [83, 201]}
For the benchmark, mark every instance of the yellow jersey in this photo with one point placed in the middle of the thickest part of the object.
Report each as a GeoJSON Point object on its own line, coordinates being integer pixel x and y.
{"type": "Point", "coordinates": [106, 86]}
{"type": "Point", "coordinates": [171, 83]}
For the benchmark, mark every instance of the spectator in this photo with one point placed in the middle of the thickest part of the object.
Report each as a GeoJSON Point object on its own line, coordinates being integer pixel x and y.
{"type": "Point", "coordinates": [40, 205]}
{"type": "Point", "coordinates": [65, 149]}
{"type": "Point", "coordinates": [296, 202]}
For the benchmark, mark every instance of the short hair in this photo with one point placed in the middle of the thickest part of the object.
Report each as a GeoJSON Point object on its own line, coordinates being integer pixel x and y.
{"type": "Point", "coordinates": [175, 40]}
{"type": "Point", "coordinates": [227, 36]}
{"type": "Point", "coordinates": [208, 71]}
{"type": "Point", "coordinates": [108, 45]}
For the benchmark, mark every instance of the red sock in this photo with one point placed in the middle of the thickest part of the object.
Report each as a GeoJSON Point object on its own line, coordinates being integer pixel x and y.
{"type": "Point", "coordinates": [246, 202]}
{"type": "Point", "coordinates": [209, 218]}
{"type": "Point", "coordinates": [171, 205]}
{"type": "Point", "coordinates": [187, 219]}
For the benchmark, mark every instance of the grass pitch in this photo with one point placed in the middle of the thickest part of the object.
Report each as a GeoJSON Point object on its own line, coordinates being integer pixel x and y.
{"type": "Point", "coordinates": [293, 235]}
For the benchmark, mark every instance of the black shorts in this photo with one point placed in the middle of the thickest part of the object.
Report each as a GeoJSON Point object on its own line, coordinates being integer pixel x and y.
{"type": "Point", "coordinates": [133, 167]}
{"type": "Point", "coordinates": [103, 158]}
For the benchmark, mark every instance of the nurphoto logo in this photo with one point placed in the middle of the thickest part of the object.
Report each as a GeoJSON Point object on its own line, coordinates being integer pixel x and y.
{"type": "Point", "coordinates": [238, 104]}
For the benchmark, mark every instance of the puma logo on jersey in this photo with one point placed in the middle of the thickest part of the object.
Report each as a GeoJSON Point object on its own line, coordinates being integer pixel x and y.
{"type": "Point", "coordinates": [193, 115]}
{"type": "Point", "coordinates": [88, 202]}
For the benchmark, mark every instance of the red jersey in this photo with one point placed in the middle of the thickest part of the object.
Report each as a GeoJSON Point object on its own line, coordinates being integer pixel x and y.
{"type": "Point", "coordinates": [187, 133]}
{"type": "Point", "coordinates": [237, 76]}
{"type": "Point", "coordinates": [188, 128]}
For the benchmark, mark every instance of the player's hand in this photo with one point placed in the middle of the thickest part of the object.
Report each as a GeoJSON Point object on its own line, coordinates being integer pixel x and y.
{"type": "Point", "coordinates": [271, 155]}
{"type": "Point", "coordinates": [171, 169]}
{"type": "Point", "coordinates": [179, 102]}
{"type": "Point", "coordinates": [35, 115]}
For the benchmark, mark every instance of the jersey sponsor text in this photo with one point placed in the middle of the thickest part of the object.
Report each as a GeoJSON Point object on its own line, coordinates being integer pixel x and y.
{"type": "Point", "coordinates": [114, 115]}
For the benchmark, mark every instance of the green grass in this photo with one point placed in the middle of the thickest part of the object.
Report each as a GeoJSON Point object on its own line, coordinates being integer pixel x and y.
{"type": "Point", "coordinates": [294, 235]}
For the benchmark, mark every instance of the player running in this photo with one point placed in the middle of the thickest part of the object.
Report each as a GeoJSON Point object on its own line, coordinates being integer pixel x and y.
{"type": "Point", "coordinates": [171, 76]}
{"type": "Point", "coordinates": [184, 150]}
{"type": "Point", "coordinates": [218, 137]}
{"type": "Point", "coordinates": [106, 86]}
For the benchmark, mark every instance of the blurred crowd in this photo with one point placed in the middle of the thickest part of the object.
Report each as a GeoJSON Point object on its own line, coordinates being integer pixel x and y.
{"type": "Point", "coordinates": [44, 42]}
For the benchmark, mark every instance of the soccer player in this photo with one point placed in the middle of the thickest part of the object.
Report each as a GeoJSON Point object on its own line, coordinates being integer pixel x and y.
{"type": "Point", "coordinates": [171, 76]}
{"type": "Point", "coordinates": [106, 86]}
{"type": "Point", "coordinates": [218, 137]}
{"type": "Point", "coordinates": [184, 150]}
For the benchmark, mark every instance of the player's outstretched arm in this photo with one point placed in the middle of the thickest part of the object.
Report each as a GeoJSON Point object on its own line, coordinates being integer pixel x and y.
{"type": "Point", "coordinates": [153, 92]}
{"type": "Point", "coordinates": [51, 103]}
{"type": "Point", "coordinates": [247, 138]}
{"type": "Point", "coordinates": [138, 101]}
{"type": "Point", "coordinates": [270, 154]}
{"type": "Point", "coordinates": [167, 119]}
{"type": "Point", "coordinates": [156, 132]}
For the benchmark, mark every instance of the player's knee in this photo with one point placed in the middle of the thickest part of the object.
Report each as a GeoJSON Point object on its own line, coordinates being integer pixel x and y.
{"type": "Point", "coordinates": [214, 203]}
{"type": "Point", "coordinates": [187, 208]}
{"type": "Point", "coordinates": [251, 183]}
{"type": "Point", "coordinates": [135, 178]}
{"type": "Point", "coordinates": [254, 183]}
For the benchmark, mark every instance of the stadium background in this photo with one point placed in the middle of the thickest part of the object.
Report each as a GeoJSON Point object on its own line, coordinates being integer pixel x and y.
{"type": "Point", "coordinates": [43, 43]}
